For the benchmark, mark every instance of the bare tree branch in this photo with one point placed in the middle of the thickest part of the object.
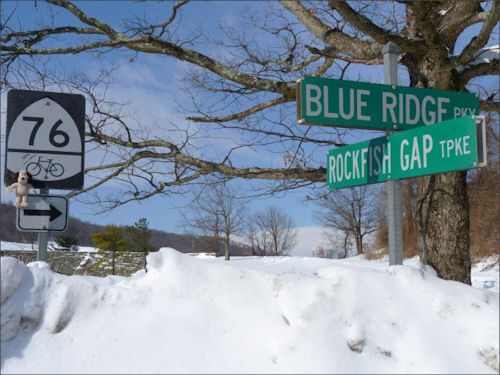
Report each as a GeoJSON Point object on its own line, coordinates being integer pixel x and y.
{"type": "Point", "coordinates": [451, 18]}
{"type": "Point", "coordinates": [150, 44]}
{"type": "Point", "coordinates": [363, 24]}
{"type": "Point", "coordinates": [15, 51]}
{"type": "Point", "coordinates": [431, 36]}
{"type": "Point", "coordinates": [482, 38]}
{"type": "Point", "coordinates": [38, 35]}
{"type": "Point", "coordinates": [489, 106]}
{"type": "Point", "coordinates": [172, 17]}
{"type": "Point", "coordinates": [476, 70]}
{"type": "Point", "coordinates": [334, 54]}
{"type": "Point", "coordinates": [324, 68]}
{"type": "Point", "coordinates": [356, 48]}
{"type": "Point", "coordinates": [201, 167]}
{"type": "Point", "coordinates": [104, 27]}
{"type": "Point", "coordinates": [241, 115]}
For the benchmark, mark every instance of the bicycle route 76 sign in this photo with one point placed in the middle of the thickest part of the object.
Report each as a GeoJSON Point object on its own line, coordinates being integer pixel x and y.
{"type": "Point", "coordinates": [45, 134]}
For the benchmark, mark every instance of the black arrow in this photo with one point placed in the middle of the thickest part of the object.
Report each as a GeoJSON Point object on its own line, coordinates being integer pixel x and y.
{"type": "Point", "coordinates": [53, 212]}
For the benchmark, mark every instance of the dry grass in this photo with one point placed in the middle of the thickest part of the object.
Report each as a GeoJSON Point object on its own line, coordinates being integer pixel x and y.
{"type": "Point", "coordinates": [381, 238]}
{"type": "Point", "coordinates": [377, 254]}
{"type": "Point", "coordinates": [410, 248]}
{"type": "Point", "coordinates": [484, 205]}
{"type": "Point", "coordinates": [491, 262]}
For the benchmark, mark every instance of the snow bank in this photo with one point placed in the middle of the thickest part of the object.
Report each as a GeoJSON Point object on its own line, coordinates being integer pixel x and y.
{"type": "Point", "coordinates": [11, 276]}
{"type": "Point", "coordinates": [190, 315]}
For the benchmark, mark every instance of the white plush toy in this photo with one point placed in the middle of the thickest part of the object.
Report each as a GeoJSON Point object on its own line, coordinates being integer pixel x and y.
{"type": "Point", "coordinates": [22, 187]}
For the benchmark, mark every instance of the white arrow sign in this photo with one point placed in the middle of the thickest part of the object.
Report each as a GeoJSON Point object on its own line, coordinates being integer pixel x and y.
{"type": "Point", "coordinates": [43, 213]}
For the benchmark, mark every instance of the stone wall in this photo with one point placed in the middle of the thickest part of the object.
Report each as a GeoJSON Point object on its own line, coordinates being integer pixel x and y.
{"type": "Point", "coordinates": [84, 263]}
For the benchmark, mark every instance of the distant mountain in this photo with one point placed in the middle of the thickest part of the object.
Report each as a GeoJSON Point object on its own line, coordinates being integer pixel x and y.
{"type": "Point", "coordinates": [81, 230]}
{"type": "Point", "coordinates": [8, 231]}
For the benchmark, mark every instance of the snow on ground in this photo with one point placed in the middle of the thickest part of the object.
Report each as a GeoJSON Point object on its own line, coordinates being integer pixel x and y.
{"type": "Point", "coordinates": [485, 273]}
{"type": "Point", "coordinates": [15, 246]}
{"type": "Point", "coordinates": [250, 315]}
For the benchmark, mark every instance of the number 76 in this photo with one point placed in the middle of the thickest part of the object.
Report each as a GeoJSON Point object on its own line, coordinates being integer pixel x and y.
{"type": "Point", "coordinates": [53, 132]}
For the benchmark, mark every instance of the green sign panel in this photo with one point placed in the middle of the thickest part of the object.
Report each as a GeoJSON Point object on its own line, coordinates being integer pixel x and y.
{"type": "Point", "coordinates": [322, 101]}
{"type": "Point", "coordinates": [448, 146]}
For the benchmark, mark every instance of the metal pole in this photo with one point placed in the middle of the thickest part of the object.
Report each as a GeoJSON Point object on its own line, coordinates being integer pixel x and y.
{"type": "Point", "coordinates": [43, 238]}
{"type": "Point", "coordinates": [395, 217]}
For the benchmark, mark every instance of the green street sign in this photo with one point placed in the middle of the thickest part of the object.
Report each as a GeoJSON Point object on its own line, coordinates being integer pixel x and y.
{"type": "Point", "coordinates": [448, 146]}
{"type": "Point", "coordinates": [322, 101]}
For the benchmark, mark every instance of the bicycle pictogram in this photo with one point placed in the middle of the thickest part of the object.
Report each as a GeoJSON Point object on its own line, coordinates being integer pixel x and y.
{"type": "Point", "coordinates": [36, 167]}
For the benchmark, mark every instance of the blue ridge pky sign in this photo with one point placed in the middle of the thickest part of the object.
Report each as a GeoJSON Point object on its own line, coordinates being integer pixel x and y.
{"type": "Point", "coordinates": [322, 101]}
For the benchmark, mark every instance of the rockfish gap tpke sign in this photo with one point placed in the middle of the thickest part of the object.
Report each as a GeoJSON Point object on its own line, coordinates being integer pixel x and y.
{"type": "Point", "coordinates": [323, 101]}
{"type": "Point", "coordinates": [448, 146]}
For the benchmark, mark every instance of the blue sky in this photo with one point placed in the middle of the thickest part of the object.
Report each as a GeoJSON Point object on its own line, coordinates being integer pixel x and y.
{"type": "Point", "coordinates": [150, 86]}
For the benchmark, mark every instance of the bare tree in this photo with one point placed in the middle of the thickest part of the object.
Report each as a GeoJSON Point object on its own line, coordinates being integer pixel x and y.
{"type": "Point", "coordinates": [352, 211]}
{"type": "Point", "coordinates": [271, 232]}
{"type": "Point", "coordinates": [258, 240]}
{"type": "Point", "coordinates": [250, 90]}
{"type": "Point", "coordinates": [217, 213]}
{"type": "Point", "coordinates": [205, 221]}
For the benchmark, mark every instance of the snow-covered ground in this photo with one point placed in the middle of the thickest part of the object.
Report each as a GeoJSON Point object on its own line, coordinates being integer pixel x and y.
{"type": "Point", "coordinates": [484, 275]}
{"type": "Point", "coordinates": [14, 246]}
{"type": "Point", "coordinates": [199, 314]}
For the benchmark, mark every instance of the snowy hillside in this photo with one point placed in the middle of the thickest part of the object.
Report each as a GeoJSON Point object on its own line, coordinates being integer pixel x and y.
{"type": "Point", "coordinates": [252, 315]}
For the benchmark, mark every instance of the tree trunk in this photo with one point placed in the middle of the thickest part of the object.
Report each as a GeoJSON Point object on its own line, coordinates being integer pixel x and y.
{"type": "Point", "coordinates": [216, 243]}
{"type": "Point", "coordinates": [359, 243]}
{"type": "Point", "coordinates": [442, 209]}
{"type": "Point", "coordinates": [346, 239]}
{"type": "Point", "coordinates": [113, 261]}
{"type": "Point", "coordinates": [226, 248]}
{"type": "Point", "coordinates": [443, 225]}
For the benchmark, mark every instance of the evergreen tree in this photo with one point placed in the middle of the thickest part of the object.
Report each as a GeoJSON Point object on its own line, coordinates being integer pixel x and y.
{"type": "Point", "coordinates": [66, 242]}
{"type": "Point", "coordinates": [111, 239]}
{"type": "Point", "coordinates": [139, 237]}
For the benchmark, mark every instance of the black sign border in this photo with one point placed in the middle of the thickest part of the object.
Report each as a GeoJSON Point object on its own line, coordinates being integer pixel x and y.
{"type": "Point", "coordinates": [74, 104]}
{"type": "Point", "coordinates": [18, 215]}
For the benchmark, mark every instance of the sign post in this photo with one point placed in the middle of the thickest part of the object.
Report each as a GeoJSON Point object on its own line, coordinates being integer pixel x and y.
{"type": "Point", "coordinates": [395, 214]}
{"type": "Point", "coordinates": [43, 238]}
